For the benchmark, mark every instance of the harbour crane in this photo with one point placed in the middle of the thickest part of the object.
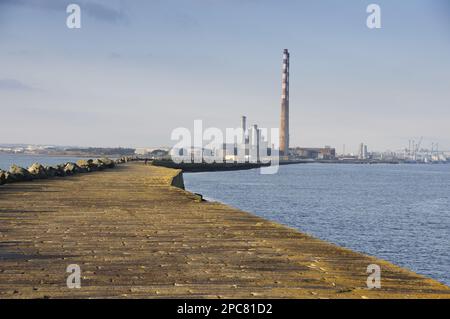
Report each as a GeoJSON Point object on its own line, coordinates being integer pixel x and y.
{"type": "Point", "coordinates": [417, 147]}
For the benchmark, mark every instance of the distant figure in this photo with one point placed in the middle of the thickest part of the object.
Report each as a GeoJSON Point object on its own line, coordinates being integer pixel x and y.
{"type": "Point", "coordinates": [145, 162]}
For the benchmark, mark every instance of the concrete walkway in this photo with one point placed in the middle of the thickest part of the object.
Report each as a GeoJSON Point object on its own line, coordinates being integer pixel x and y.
{"type": "Point", "coordinates": [134, 235]}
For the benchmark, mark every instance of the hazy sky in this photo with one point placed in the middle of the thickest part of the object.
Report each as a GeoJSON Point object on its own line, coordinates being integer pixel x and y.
{"type": "Point", "coordinates": [138, 69]}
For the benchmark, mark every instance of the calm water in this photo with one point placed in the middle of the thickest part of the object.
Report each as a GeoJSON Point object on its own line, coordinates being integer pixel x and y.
{"type": "Point", "coordinates": [6, 160]}
{"type": "Point", "coordinates": [400, 213]}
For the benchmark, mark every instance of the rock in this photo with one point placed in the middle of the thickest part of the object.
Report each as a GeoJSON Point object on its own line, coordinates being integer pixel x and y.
{"type": "Point", "coordinates": [107, 162]}
{"type": "Point", "coordinates": [2, 177]}
{"type": "Point", "coordinates": [104, 162]}
{"type": "Point", "coordinates": [57, 170]}
{"type": "Point", "coordinates": [9, 178]}
{"type": "Point", "coordinates": [60, 170]}
{"type": "Point", "coordinates": [51, 171]}
{"type": "Point", "coordinates": [18, 174]}
{"type": "Point", "coordinates": [87, 164]}
{"type": "Point", "coordinates": [72, 168]}
{"type": "Point", "coordinates": [123, 159]}
{"type": "Point", "coordinates": [99, 164]}
{"type": "Point", "coordinates": [37, 171]}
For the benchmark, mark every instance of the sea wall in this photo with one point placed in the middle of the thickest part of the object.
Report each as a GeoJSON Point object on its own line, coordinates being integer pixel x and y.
{"type": "Point", "coordinates": [207, 167]}
{"type": "Point", "coordinates": [133, 235]}
{"type": "Point", "coordinates": [177, 179]}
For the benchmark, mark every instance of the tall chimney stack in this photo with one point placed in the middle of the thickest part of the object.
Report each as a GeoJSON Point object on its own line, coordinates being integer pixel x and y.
{"type": "Point", "coordinates": [284, 121]}
{"type": "Point", "coordinates": [256, 139]}
{"type": "Point", "coordinates": [244, 127]}
{"type": "Point", "coordinates": [244, 138]}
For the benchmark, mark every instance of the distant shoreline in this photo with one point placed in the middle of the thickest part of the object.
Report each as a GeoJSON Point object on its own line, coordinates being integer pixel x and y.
{"type": "Point", "coordinates": [82, 155]}
{"type": "Point", "coordinates": [212, 166]}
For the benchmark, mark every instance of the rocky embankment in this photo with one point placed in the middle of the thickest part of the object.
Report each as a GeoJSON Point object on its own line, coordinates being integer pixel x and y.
{"type": "Point", "coordinates": [38, 171]}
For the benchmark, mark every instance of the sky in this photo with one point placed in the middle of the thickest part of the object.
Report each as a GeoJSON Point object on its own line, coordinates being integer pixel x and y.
{"type": "Point", "coordinates": [136, 70]}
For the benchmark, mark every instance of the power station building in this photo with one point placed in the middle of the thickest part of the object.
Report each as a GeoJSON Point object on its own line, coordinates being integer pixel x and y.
{"type": "Point", "coordinates": [252, 136]}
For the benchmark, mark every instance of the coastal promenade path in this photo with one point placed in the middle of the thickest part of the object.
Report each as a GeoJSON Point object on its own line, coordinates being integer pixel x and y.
{"type": "Point", "coordinates": [134, 235]}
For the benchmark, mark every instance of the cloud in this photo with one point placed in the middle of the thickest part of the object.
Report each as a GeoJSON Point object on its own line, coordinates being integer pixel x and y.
{"type": "Point", "coordinates": [21, 52]}
{"type": "Point", "coordinates": [115, 55]}
{"type": "Point", "coordinates": [11, 84]}
{"type": "Point", "coordinates": [97, 10]}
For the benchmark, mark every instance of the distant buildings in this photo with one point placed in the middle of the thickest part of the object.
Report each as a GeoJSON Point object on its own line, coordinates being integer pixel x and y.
{"type": "Point", "coordinates": [156, 153]}
{"type": "Point", "coordinates": [362, 151]}
{"type": "Point", "coordinates": [53, 150]}
{"type": "Point", "coordinates": [324, 153]}
{"type": "Point", "coordinates": [253, 145]}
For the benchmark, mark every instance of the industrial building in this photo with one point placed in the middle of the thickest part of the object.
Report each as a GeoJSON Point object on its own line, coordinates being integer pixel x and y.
{"type": "Point", "coordinates": [363, 154]}
{"type": "Point", "coordinates": [326, 152]}
{"type": "Point", "coordinates": [249, 146]}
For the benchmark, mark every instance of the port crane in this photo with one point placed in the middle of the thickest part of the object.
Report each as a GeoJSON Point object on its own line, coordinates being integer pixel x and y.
{"type": "Point", "coordinates": [417, 148]}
